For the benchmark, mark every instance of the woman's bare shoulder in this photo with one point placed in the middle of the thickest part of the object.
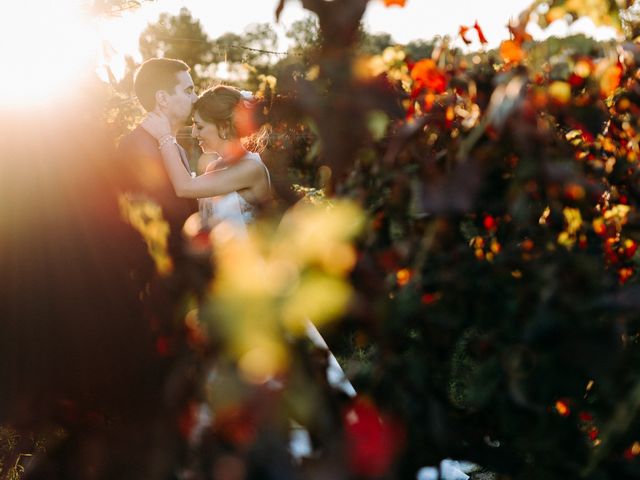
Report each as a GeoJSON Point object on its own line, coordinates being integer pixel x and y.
{"type": "Point", "coordinates": [255, 160]}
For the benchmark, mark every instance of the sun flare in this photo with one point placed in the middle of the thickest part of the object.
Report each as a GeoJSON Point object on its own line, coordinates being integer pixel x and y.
{"type": "Point", "coordinates": [47, 46]}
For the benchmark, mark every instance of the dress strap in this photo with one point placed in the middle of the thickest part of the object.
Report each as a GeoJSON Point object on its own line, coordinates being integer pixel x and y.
{"type": "Point", "coordinates": [259, 160]}
{"type": "Point", "coordinates": [268, 174]}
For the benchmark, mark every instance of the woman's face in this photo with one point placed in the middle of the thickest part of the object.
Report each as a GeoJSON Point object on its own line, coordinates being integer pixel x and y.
{"type": "Point", "coordinates": [207, 135]}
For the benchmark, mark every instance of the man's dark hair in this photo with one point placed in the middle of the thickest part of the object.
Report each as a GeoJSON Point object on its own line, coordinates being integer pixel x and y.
{"type": "Point", "coordinates": [156, 74]}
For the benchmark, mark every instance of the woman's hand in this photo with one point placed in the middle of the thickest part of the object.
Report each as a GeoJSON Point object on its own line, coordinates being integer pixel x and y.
{"type": "Point", "coordinates": [157, 125]}
{"type": "Point", "coordinates": [209, 161]}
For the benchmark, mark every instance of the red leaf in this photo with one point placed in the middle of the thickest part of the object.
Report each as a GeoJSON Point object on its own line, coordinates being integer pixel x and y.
{"type": "Point", "coordinates": [236, 424]}
{"type": "Point", "coordinates": [585, 416]}
{"type": "Point", "coordinates": [373, 440]}
{"type": "Point", "coordinates": [163, 346]}
{"type": "Point", "coordinates": [427, 75]}
{"type": "Point", "coordinates": [489, 223]}
{"type": "Point", "coordinates": [481, 36]}
{"type": "Point", "coordinates": [188, 420]}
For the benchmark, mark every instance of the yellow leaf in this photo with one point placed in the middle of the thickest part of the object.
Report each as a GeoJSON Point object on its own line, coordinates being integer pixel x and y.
{"type": "Point", "coordinates": [321, 298]}
{"type": "Point", "coordinates": [560, 92]}
{"type": "Point", "coordinates": [377, 122]}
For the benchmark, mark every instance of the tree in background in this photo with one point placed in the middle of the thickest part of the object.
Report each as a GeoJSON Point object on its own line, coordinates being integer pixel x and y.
{"type": "Point", "coordinates": [177, 36]}
{"type": "Point", "coordinates": [304, 34]}
{"type": "Point", "coordinates": [420, 48]}
{"type": "Point", "coordinates": [374, 43]}
{"type": "Point", "coordinates": [244, 56]}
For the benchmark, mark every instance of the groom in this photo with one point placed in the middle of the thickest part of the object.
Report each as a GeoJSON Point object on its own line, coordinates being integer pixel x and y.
{"type": "Point", "coordinates": [148, 199]}
{"type": "Point", "coordinates": [162, 85]}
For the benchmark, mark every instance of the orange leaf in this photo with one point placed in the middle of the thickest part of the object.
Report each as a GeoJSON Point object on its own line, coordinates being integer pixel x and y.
{"type": "Point", "coordinates": [403, 276]}
{"type": "Point", "coordinates": [511, 51]}
{"type": "Point", "coordinates": [399, 3]}
{"type": "Point", "coordinates": [462, 31]}
{"type": "Point", "coordinates": [481, 36]}
{"type": "Point", "coordinates": [426, 74]}
{"type": "Point", "coordinates": [610, 80]}
{"type": "Point", "coordinates": [562, 407]}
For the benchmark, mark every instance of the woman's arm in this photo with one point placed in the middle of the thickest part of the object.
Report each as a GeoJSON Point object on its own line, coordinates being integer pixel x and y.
{"type": "Point", "coordinates": [242, 174]}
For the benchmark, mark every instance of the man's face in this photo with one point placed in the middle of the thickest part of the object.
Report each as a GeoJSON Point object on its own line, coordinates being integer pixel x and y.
{"type": "Point", "coordinates": [181, 99]}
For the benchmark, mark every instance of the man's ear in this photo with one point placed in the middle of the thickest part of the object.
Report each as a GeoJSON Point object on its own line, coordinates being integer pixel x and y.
{"type": "Point", "coordinates": [161, 98]}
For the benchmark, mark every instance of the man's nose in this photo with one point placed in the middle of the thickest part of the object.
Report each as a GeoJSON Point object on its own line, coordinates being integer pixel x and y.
{"type": "Point", "coordinates": [193, 132]}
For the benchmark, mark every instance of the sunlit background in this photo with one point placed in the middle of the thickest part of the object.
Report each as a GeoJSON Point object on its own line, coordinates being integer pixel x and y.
{"type": "Point", "coordinates": [49, 44]}
{"type": "Point", "coordinates": [46, 46]}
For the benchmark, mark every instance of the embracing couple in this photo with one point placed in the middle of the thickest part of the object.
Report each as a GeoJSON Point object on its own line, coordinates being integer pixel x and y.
{"type": "Point", "coordinates": [234, 183]}
{"type": "Point", "coordinates": [235, 179]}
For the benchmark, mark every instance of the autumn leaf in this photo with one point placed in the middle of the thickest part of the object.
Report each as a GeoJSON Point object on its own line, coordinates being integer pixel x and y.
{"type": "Point", "coordinates": [373, 439]}
{"type": "Point", "coordinates": [610, 80]}
{"type": "Point", "coordinates": [511, 51]}
{"type": "Point", "coordinates": [427, 75]}
{"type": "Point", "coordinates": [560, 92]}
{"type": "Point", "coordinates": [601, 12]}
{"type": "Point", "coordinates": [399, 3]}
{"type": "Point", "coordinates": [481, 36]}
{"type": "Point", "coordinates": [462, 32]}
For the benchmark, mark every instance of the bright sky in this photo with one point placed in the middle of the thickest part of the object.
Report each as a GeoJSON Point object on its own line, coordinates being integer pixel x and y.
{"type": "Point", "coordinates": [418, 19]}
{"type": "Point", "coordinates": [57, 37]}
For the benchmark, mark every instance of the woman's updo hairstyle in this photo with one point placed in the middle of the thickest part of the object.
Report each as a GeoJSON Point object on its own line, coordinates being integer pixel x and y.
{"type": "Point", "coordinates": [219, 105]}
{"type": "Point", "coordinates": [232, 111]}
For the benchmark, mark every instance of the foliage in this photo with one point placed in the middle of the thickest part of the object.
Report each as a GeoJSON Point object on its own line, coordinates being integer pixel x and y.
{"type": "Point", "coordinates": [179, 36]}
{"type": "Point", "coordinates": [420, 48]}
{"type": "Point", "coordinates": [305, 35]}
{"type": "Point", "coordinates": [493, 277]}
{"type": "Point", "coordinates": [601, 13]}
{"type": "Point", "coordinates": [371, 44]}
{"type": "Point", "coordinates": [247, 55]}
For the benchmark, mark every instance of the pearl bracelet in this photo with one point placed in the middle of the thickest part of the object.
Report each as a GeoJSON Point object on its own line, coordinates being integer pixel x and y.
{"type": "Point", "coordinates": [165, 139]}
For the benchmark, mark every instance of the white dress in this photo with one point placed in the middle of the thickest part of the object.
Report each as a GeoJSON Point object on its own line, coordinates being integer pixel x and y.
{"type": "Point", "coordinates": [231, 209]}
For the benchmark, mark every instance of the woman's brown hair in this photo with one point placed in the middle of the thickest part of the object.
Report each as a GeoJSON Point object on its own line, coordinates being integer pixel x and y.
{"type": "Point", "coordinates": [233, 113]}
